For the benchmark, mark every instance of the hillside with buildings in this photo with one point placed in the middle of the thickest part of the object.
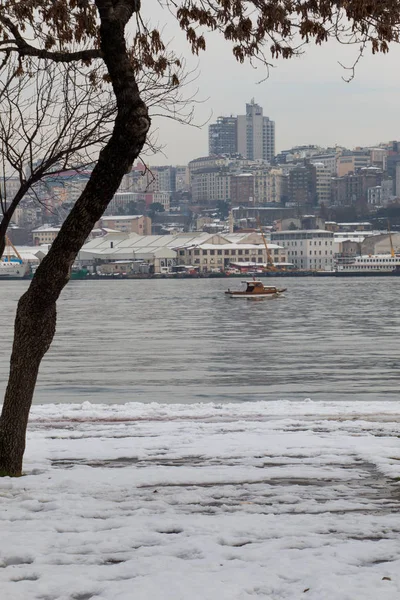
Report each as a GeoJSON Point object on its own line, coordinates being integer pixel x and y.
{"type": "Point", "coordinates": [171, 215]}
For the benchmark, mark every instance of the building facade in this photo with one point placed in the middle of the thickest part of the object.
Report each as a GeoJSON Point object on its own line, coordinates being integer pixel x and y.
{"type": "Point", "coordinates": [210, 185]}
{"type": "Point", "coordinates": [310, 250]}
{"type": "Point", "coordinates": [127, 223]}
{"type": "Point", "coordinates": [302, 186]}
{"type": "Point", "coordinates": [350, 161]}
{"type": "Point", "coordinates": [242, 189]}
{"type": "Point", "coordinates": [255, 134]}
{"type": "Point", "coordinates": [352, 189]}
{"type": "Point", "coordinates": [222, 136]}
{"type": "Point", "coordinates": [44, 235]}
{"type": "Point", "coordinates": [268, 186]}
{"type": "Point", "coordinates": [323, 183]}
{"type": "Point", "coordinates": [219, 253]}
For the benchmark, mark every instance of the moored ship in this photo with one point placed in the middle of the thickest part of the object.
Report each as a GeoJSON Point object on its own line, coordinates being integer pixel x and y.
{"type": "Point", "coordinates": [12, 267]}
{"type": "Point", "coordinates": [378, 264]}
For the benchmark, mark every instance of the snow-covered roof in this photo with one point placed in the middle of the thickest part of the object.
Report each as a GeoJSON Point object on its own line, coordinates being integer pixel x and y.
{"type": "Point", "coordinates": [357, 240]}
{"type": "Point", "coordinates": [258, 264]}
{"type": "Point", "coordinates": [46, 229]}
{"type": "Point", "coordinates": [234, 246]}
{"type": "Point", "coordinates": [304, 231]}
{"type": "Point", "coordinates": [121, 217]}
{"type": "Point", "coordinates": [127, 245]}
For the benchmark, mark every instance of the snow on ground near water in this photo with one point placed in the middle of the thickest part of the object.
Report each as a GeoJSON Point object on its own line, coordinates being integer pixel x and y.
{"type": "Point", "coordinates": [283, 500]}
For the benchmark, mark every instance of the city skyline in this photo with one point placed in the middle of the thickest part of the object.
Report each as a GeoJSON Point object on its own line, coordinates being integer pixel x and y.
{"type": "Point", "coordinates": [305, 96]}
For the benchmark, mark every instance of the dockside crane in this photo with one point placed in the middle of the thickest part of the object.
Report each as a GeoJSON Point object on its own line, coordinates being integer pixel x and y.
{"type": "Point", "coordinates": [392, 252]}
{"type": "Point", "coordinates": [270, 263]}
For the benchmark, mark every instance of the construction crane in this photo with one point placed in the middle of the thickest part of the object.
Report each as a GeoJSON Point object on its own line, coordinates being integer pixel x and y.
{"type": "Point", "coordinates": [270, 262]}
{"type": "Point", "coordinates": [9, 245]}
{"type": "Point", "coordinates": [392, 252]}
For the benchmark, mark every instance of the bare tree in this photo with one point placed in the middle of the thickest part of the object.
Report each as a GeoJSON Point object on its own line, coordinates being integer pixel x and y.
{"type": "Point", "coordinates": [95, 31]}
{"type": "Point", "coordinates": [55, 123]}
{"type": "Point", "coordinates": [49, 124]}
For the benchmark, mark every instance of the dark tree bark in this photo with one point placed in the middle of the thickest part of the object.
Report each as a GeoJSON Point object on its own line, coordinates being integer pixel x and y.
{"type": "Point", "coordinates": [35, 322]}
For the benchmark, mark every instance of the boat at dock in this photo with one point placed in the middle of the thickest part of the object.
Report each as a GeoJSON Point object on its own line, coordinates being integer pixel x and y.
{"type": "Point", "coordinates": [12, 269]}
{"type": "Point", "coordinates": [378, 264]}
{"type": "Point", "coordinates": [256, 289]}
{"type": "Point", "coordinates": [12, 266]}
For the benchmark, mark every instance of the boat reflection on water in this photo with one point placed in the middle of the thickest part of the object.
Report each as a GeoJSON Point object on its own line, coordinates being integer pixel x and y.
{"type": "Point", "coordinates": [255, 289]}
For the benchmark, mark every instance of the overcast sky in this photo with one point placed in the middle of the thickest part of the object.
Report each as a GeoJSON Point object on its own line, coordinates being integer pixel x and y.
{"type": "Point", "coordinates": [306, 96]}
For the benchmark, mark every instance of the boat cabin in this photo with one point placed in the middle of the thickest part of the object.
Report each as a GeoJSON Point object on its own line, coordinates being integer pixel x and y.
{"type": "Point", "coordinates": [256, 287]}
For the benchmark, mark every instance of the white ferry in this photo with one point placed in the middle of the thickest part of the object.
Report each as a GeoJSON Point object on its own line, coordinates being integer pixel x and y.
{"type": "Point", "coordinates": [377, 264]}
{"type": "Point", "coordinates": [12, 269]}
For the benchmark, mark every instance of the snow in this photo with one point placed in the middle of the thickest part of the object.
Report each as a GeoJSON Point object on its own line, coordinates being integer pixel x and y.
{"type": "Point", "coordinates": [277, 500]}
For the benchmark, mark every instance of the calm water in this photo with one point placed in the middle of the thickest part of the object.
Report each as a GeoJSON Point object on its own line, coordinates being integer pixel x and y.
{"type": "Point", "coordinates": [184, 341]}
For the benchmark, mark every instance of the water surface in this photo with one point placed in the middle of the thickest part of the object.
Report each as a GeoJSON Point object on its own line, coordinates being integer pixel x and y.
{"type": "Point", "coordinates": [185, 341]}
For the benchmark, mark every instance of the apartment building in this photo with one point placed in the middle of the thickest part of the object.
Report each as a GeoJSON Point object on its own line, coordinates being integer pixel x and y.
{"type": "Point", "coordinates": [127, 223]}
{"type": "Point", "coordinates": [309, 250]}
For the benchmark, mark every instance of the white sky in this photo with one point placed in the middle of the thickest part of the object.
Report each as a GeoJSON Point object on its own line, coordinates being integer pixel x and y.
{"type": "Point", "coordinates": [306, 96]}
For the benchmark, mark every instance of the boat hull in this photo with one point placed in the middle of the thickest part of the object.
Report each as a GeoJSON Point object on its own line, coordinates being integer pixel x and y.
{"type": "Point", "coordinates": [251, 296]}
{"type": "Point", "coordinates": [12, 271]}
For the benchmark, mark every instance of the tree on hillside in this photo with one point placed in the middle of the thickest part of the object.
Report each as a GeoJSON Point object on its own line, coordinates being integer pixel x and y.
{"type": "Point", "coordinates": [93, 33]}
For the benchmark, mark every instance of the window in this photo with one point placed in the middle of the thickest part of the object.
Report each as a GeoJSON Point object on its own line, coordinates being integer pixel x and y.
{"type": "Point", "coordinates": [204, 252]}
{"type": "Point", "coordinates": [196, 252]}
{"type": "Point", "coordinates": [247, 251]}
{"type": "Point", "coordinates": [212, 252]}
{"type": "Point", "coordinates": [219, 252]}
{"type": "Point", "coordinates": [240, 252]}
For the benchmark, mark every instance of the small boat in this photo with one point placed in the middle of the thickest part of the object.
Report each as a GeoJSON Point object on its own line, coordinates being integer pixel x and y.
{"type": "Point", "coordinates": [12, 270]}
{"type": "Point", "coordinates": [12, 267]}
{"type": "Point", "coordinates": [256, 289]}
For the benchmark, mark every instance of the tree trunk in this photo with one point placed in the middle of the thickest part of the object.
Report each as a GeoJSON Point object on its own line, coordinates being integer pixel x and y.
{"type": "Point", "coordinates": [35, 322]}
{"type": "Point", "coordinates": [9, 213]}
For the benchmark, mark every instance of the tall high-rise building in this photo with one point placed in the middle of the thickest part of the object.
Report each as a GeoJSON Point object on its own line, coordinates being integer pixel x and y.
{"type": "Point", "coordinates": [255, 134]}
{"type": "Point", "coordinates": [222, 136]}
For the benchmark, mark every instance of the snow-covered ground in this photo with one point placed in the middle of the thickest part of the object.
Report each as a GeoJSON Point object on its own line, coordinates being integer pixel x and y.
{"type": "Point", "coordinates": [205, 502]}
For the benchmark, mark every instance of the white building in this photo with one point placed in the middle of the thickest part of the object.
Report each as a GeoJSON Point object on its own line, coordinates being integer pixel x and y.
{"type": "Point", "coordinates": [323, 177]}
{"type": "Point", "coordinates": [203, 250]}
{"type": "Point", "coordinates": [210, 185]}
{"type": "Point", "coordinates": [268, 185]}
{"type": "Point", "coordinates": [163, 198]}
{"type": "Point", "coordinates": [309, 250]}
{"type": "Point", "coordinates": [328, 160]}
{"type": "Point", "coordinates": [46, 234]}
{"type": "Point", "coordinates": [255, 134]}
{"type": "Point", "coordinates": [218, 252]}
{"type": "Point", "coordinates": [121, 200]}
{"type": "Point", "coordinates": [182, 178]}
